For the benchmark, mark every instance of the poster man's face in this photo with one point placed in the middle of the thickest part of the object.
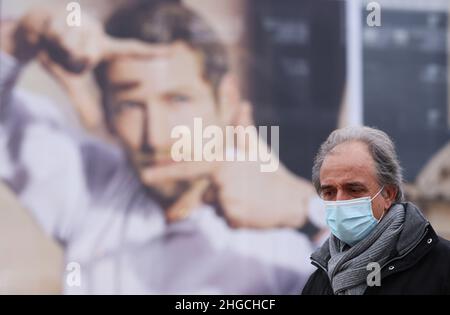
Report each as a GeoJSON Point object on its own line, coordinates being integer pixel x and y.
{"type": "Point", "coordinates": [149, 97]}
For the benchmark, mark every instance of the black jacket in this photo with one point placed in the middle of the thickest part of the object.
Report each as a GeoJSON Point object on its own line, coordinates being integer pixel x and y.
{"type": "Point", "coordinates": [424, 270]}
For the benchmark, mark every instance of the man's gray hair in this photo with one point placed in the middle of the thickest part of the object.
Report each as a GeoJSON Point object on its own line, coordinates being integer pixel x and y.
{"type": "Point", "coordinates": [381, 147]}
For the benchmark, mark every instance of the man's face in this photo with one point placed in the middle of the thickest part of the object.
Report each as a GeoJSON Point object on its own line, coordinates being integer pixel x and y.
{"type": "Point", "coordinates": [348, 172]}
{"type": "Point", "coordinates": [149, 97]}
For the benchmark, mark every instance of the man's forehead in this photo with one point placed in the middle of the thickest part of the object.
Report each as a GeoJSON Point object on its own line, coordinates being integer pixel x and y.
{"type": "Point", "coordinates": [348, 162]}
{"type": "Point", "coordinates": [180, 64]}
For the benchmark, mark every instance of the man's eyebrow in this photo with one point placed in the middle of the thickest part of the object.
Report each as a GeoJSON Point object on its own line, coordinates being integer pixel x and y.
{"type": "Point", "coordinates": [349, 184]}
{"type": "Point", "coordinates": [322, 187]}
{"type": "Point", "coordinates": [358, 184]}
{"type": "Point", "coordinates": [126, 85]}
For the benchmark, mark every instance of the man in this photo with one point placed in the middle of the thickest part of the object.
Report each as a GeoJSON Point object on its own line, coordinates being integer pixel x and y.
{"type": "Point", "coordinates": [159, 66]}
{"type": "Point", "coordinates": [358, 175]}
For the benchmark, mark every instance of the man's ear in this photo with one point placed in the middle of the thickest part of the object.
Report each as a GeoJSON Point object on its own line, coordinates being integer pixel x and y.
{"type": "Point", "coordinates": [389, 193]}
{"type": "Point", "coordinates": [229, 98]}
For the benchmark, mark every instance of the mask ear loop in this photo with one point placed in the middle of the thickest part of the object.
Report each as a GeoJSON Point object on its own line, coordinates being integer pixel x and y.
{"type": "Point", "coordinates": [376, 195]}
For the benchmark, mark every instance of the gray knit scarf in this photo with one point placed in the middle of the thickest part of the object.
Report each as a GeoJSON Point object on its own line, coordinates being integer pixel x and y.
{"type": "Point", "coordinates": [347, 265]}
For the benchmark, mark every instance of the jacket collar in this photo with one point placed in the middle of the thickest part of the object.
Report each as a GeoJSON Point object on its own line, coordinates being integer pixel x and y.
{"type": "Point", "coordinates": [407, 260]}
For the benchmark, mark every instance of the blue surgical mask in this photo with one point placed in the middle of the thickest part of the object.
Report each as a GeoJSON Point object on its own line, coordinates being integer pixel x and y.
{"type": "Point", "coordinates": [351, 220]}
